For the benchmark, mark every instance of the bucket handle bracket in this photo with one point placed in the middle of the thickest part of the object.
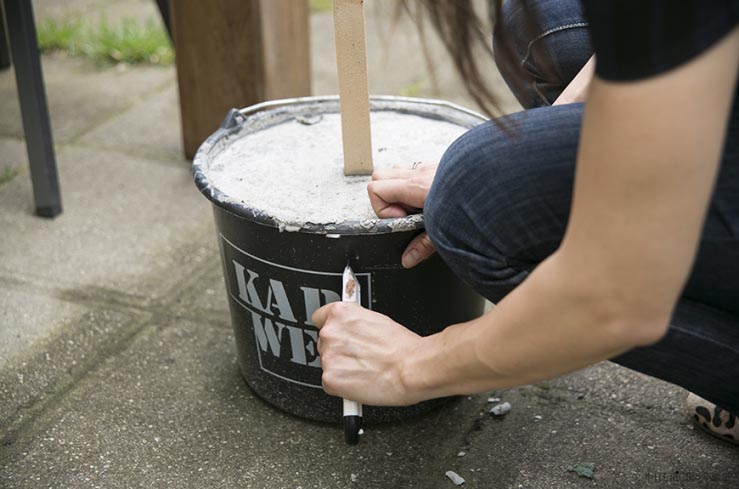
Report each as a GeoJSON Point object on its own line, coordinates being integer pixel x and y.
{"type": "Point", "coordinates": [233, 119]}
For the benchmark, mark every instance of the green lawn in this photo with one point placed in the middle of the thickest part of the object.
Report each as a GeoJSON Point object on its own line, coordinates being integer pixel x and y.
{"type": "Point", "coordinates": [321, 5]}
{"type": "Point", "coordinates": [127, 42]}
{"type": "Point", "coordinates": [8, 173]}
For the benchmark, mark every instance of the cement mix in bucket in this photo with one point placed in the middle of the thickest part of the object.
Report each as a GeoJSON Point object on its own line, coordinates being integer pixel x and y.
{"type": "Point", "coordinates": [294, 171]}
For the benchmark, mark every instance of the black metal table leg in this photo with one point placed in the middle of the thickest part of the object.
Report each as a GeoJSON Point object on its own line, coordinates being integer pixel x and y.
{"type": "Point", "coordinates": [4, 48]}
{"type": "Point", "coordinates": [36, 125]}
{"type": "Point", "coordinates": [164, 10]}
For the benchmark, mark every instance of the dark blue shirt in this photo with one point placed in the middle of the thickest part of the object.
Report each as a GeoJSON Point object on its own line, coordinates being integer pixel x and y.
{"type": "Point", "coordinates": [636, 39]}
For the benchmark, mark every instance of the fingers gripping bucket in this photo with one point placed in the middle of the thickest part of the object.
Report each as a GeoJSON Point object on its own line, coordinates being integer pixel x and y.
{"type": "Point", "coordinates": [278, 273]}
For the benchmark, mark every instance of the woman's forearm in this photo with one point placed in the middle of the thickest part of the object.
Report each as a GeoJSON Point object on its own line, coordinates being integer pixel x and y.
{"type": "Point", "coordinates": [577, 90]}
{"type": "Point", "coordinates": [645, 171]}
{"type": "Point", "coordinates": [553, 323]}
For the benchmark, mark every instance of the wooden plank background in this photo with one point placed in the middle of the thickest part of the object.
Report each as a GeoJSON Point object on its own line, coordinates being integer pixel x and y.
{"type": "Point", "coordinates": [235, 53]}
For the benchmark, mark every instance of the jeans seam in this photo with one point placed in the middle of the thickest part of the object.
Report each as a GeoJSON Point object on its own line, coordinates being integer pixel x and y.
{"type": "Point", "coordinates": [541, 95]}
{"type": "Point", "coordinates": [546, 33]}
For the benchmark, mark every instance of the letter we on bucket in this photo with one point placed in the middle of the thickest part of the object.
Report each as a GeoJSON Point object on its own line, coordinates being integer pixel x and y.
{"type": "Point", "coordinates": [279, 302]}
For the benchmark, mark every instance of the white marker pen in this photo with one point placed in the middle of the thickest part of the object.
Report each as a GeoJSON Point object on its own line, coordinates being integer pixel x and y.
{"type": "Point", "coordinates": [350, 292]}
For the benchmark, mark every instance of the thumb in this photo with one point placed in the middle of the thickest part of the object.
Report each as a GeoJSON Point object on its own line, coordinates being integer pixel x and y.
{"type": "Point", "coordinates": [417, 251]}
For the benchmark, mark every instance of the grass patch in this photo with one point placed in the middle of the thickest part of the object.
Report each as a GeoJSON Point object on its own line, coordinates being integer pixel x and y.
{"type": "Point", "coordinates": [412, 90]}
{"type": "Point", "coordinates": [128, 42]}
{"type": "Point", "coordinates": [132, 43]}
{"type": "Point", "coordinates": [8, 173]}
{"type": "Point", "coordinates": [321, 5]}
{"type": "Point", "coordinates": [60, 36]}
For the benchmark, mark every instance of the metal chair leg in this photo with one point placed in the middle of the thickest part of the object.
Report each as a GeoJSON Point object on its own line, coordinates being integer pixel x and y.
{"type": "Point", "coordinates": [35, 113]}
{"type": "Point", "coordinates": [164, 10]}
{"type": "Point", "coordinates": [4, 48]}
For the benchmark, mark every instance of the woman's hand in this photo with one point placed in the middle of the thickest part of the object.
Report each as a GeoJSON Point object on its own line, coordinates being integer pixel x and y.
{"type": "Point", "coordinates": [362, 355]}
{"type": "Point", "coordinates": [398, 192]}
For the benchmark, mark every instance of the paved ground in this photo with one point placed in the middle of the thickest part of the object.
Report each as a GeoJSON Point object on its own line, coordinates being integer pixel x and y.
{"type": "Point", "coordinates": [117, 362]}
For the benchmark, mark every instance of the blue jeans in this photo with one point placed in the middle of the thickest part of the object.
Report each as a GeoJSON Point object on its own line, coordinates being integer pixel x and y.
{"type": "Point", "coordinates": [500, 203]}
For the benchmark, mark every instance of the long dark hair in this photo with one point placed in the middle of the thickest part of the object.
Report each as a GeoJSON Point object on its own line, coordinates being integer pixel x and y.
{"type": "Point", "coordinates": [466, 36]}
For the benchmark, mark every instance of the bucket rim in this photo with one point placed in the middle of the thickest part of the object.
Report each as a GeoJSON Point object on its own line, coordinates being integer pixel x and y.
{"type": "Point", "coordinates": [236, 119]}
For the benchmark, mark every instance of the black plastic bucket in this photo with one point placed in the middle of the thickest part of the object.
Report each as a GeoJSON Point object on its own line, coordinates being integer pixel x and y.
{"type": "Point", "coordinates": [277, 275]}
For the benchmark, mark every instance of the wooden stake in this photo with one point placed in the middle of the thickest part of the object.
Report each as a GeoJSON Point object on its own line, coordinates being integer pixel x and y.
{"type": "Point", "coordinates": [351, 58]}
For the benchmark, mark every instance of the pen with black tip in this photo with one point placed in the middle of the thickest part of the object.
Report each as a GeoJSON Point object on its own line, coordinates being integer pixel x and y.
{"type": "Point", "coordinates": [350, 292]}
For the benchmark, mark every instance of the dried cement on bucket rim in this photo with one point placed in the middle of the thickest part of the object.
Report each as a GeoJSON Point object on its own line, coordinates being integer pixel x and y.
{"type": "Point", "coordinates": [248, 121]}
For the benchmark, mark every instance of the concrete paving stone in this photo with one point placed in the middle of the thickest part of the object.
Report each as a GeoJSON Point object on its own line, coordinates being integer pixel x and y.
{"type": "Point", "coordinates": [210, 296]}
{"type": "Point", "coordinates": [152, 129]}
{"type": "Point", "coordinates": [75, 342]}
{"type": "Point", "coordinates": [625, 390]}
{"type": "Point", "coordinates": [129, 226]}
{"type": "Point", "coordinates": [142, 12]}
{"type": "Point", "coordinates": [81, 94]}
{"type": "Point", "coordinates": [630, 447]}
{"type": "Point", "coordinates": [173, 411]}
{"type": "Point", "coordinates": [27, 317]}
{"type": "Point", "coordinates": [55, 10]}
{"type": "Point", "coordinates": [94, 12]}
{"type": "Point", "coordinates": [206, 300]}
{"type": "Point", "coordinates": [13, 151]}
{"type": "Point", "coordinates": [13, 160]}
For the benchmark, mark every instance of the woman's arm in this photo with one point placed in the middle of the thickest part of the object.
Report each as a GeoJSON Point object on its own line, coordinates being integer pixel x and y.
{"type": "Point", "coordinates": [646, 169]}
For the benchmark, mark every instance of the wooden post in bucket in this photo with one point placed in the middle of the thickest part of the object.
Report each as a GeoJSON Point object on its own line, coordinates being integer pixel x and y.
{"type": "Point", "coordinates": [351, 58]}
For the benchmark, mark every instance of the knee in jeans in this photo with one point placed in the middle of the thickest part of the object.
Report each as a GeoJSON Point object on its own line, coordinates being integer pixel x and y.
{"type": "Point", "coordinates": [471, 171]}
{"type": "Point", "coordinates": [495, 199]}
{"type": "Point", "coordinates": [457, 212]}
{"type": "Point", "coordinates": [473, 212]}
{"type": "Point", "coordinates": [443, 198]}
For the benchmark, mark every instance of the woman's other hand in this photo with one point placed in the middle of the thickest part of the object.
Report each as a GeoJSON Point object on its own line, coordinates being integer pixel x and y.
{"type": "Point", "coordinates": [398, 192]}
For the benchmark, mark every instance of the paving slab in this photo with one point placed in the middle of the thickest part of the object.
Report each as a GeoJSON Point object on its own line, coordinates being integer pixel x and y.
{"type": "Point", "coordinates": [96, 12]}
{"type": "Point", "coordinates": [13, 160]}
{"type": "Point", "coordinates": [625, 390]}
{"type": "Point", "coordinates": [28, 318]}
{"type": "Point", "coordinates": [174, 411]}
{"type": "Point", "coordinates": [114, 12]}
{"type": "Point", "coordinates": [81, 94]}
{"type": "Point", "coordinates": [41, 371]}
{"type": "Point", "coordinates": [554, 426]}
{"type": "Point", "coordinates": [131, 229]}
{"type": "Point", "coordinates": [211, 296]}
{"type": "Point", "coordinates": [150, 129]}
{"type": "Point", "coordinates": [55, 10]}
